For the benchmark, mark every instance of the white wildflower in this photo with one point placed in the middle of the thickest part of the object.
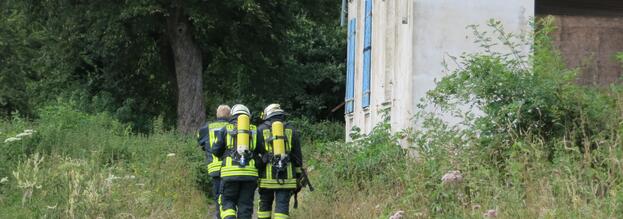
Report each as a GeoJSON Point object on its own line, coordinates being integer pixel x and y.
{"type": "Point", "coordinates": [21, 135]}
{"type": "Point", "coordinates": [4, 179]}
{"type": "Point", "coordinates": [491, 213]}
{"type": "Point", "coordinates": [29, 131]}
{"type": "Point", "coordinates": [130, 177]}
{"type": "Point", "coordinates": [12, 139]}
{"type": "Point", "coordinates": [452, 177]}
{"type": "Point", "coordinates": [397, 215]}
{"type": "Point", "coordinates": [170, 154]}
{"type": "Point", "coordinates": [112, 177]}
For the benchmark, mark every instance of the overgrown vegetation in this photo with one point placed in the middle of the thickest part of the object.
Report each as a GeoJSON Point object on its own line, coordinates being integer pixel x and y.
{"type": "Point", "coordinates": [531, 144]}
{"type": "Point", "coordinates": [72, 164]}
{"type": "Point", "coordinates": [76, 165]}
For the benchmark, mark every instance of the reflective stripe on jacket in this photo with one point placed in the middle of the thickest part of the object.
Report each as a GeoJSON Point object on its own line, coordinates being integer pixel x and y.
{"type": "Point", "coordinates": [214, 167]}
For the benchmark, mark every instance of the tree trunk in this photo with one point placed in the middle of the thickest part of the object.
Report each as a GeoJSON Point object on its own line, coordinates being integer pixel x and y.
{"type": "Point", "coordinates": [188, 72]}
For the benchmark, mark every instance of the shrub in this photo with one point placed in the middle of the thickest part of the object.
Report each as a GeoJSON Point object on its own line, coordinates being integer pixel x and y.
{"type": "Point", "coordinates": [326, 131]}
{"type": "Point", "coordinates": [533, 95]}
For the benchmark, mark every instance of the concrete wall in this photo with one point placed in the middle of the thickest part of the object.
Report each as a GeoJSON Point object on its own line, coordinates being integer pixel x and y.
{"type": "Point", "coordinates": [590, 43]}
{"type": "Point", "coordinates": [410, 40]}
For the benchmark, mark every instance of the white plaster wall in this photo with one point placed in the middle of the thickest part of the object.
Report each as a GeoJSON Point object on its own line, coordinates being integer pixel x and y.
{"type": "Point", "coordinates": [410, 40]}
{"type": "Point", "coordinates": [403, 101]}
{"type": "Point", "coordinates": [440, 32]}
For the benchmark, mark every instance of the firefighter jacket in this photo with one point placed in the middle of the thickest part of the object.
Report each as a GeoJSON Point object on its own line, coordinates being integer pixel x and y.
{"type": "Point", "coordinates": [272, 177]}
{"type": "Point", "coordinates": [206, 138]}
{"type": "Point", "coordinates": [236, 167]}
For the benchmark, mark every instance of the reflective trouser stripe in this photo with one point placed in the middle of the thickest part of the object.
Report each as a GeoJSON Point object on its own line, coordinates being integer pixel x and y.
{"type": "Point", "coordinates": [228, 213]}
{"type": "Point", "coordinates": [220, 205]}
{"type": "Point", "coordinates": [281, 216]}
{"type": "Point", "coordinates": [263, 214]}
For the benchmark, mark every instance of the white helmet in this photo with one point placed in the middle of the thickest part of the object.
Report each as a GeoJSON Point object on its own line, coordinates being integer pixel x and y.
{"type": "Point", "coordinates": [272, 110]}
{"type": "Point", "coordinates": [240, 109]}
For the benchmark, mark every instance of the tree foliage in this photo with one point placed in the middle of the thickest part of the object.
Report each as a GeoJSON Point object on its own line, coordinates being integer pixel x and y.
{"type": "Point", "coordinates": [114, 56]}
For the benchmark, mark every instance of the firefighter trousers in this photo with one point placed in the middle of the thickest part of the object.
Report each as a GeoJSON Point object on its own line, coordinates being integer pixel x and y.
{"type": "Point", "coordinates": [281, 197]}
{"type": "Point", "coordinates": [216, 192]}
{"type": "Point", "coordinates": [237, 199]}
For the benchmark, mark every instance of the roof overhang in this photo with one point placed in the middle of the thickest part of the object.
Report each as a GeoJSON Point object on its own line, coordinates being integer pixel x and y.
{"type": "Point", "coordinates": [580, 7]}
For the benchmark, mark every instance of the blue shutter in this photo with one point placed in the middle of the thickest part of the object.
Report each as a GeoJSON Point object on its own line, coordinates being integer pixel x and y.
{"type": "Point", "coordinates": [367, 55]}
{"type": "Point", "coordinates": [350, 68]}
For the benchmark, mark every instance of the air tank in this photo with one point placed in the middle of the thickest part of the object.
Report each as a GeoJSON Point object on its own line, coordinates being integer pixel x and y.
{"type": "Point", "coordinates": [278, 138]}
{"type": "Point", "coordinates": [242, 137]}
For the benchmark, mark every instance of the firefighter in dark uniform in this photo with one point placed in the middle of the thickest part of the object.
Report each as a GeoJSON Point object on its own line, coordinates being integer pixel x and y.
{"type": "Point", "coordinates": [236, 146]}
{"type": "Point", "coordinates": [206, 138]}
{"type": "Point", "coordinates": [282, 162]}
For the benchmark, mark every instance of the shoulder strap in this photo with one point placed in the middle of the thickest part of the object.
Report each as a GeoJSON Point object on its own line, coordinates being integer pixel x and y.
{"type": "Point", "coordinates": [288, 138]}
{"type": "Point", "coordinates": [231, 135]}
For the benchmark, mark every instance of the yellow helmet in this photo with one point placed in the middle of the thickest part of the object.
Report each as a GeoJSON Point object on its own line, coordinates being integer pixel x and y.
{"type": "Point", "coordinates": [272, 110]}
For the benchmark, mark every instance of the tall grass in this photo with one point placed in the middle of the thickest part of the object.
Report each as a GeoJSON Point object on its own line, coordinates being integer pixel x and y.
{"type": "Point", "coordinates": [76, 165]}
{"type": "Point", "coordinates": [542, 146]}
{"type": "Point", "coordinates": [374, 179]}
{"type": "Point", "coordinates": [71, 164]}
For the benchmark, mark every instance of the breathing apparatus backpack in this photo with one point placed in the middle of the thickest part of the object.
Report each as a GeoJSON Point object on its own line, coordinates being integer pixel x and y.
{"type": "Point", "coordinates": [239, 158]}
{"type": "Point", "coordinates": [279, 172]}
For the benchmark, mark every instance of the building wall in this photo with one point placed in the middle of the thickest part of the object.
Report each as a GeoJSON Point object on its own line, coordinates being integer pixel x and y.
{"type": "Point", "coordinates": [410, 41]}
{"type": "Point", "coordinates": [440, 32]}
{"type": "Point", "coordinates": [590, 44]}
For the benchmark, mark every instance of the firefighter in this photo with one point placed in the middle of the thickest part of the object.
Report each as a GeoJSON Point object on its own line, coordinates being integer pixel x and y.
{"type": "Point", "coordinates": [282, 163]}
{"type": "Point", "coordinates": [207, 136]}
{"type": "Point", "coordinates": [236, 146]}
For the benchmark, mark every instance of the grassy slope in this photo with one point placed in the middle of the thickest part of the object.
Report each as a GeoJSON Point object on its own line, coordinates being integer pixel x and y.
{"type": "Point", "coordinates": [374, 178]}
{"type": "Point", "coordinates": [91, 166]}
